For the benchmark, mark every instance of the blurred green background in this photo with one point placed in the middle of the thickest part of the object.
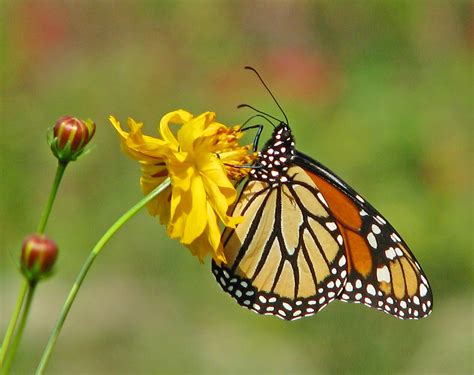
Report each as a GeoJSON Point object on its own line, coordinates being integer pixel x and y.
{"type": "Point", "coordinates": [380, 91]}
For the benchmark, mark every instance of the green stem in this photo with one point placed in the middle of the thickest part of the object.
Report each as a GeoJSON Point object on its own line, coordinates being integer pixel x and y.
{"type": "Point", "coordinates": [31, 286]}
{"type": "Point", "coordinates": [28, 288]}
{"type": "Point", "coordinates": [13, 321]}
{"type": "Point", "coordinates": [54, 189]}
{"type": "Point", "coordinates": [6, 356]}
{"type": "Point", "coordinates": [85, 268]}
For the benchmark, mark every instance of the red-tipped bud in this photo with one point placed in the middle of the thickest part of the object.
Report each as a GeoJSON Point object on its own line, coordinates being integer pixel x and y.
{"type": "Point", "coordinates": [38, 255]}
{"type": "Point", "coordinates": [70, 136]}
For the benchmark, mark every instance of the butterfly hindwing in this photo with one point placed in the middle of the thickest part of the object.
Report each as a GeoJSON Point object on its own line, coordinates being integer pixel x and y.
{"type": "Point", "coordinates": [287, 257]}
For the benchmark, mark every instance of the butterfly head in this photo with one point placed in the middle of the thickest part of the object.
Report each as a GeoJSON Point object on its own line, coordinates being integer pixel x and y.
{"type": "Point", "coordinates": [275, 157]}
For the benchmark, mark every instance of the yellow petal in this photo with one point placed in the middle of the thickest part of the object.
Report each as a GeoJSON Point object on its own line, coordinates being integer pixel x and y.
{"type": "Point", "coordinates": [217, 200]}
{"type": "Point", "coordinates": [215, 172]}
{"type": "Point", "coordinates": [181, 175]}
{"type": "Point", "coordinates": [136, 139]}
{"type": "Point", "coordinates": [214, 235]}
{"type": "Point", "coordinates": [176, 117]}
{"type": "Point", "coordinates": [152, 177]}
{"type": "Point", "coordinates": [197, 218]}
{"type": "Point", "coordinates": [116, 124]}
{"type": "Point", "coordinates": [178, 218]}
{"type": "Point", "coordinates": [192, 130]}
{"type": "Point", "coordinates": [137, 146]}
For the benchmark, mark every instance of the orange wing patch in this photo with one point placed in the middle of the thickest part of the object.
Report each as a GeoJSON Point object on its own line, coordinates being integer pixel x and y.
{"type": "Point", "coordinates": [383, 273]}
{"type": "Point", "coordinates": [357, 252]}
{"type": "Point", "coordinates": [350, 222]}
{"type": "Point", "coordinates": [341, 206]}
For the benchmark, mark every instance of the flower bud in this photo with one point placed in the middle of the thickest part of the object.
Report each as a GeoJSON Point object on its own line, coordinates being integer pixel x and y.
{"type": "Point", "coordinates": [38, 255]}
{"type": "Point", "coordinates": [69, 137]}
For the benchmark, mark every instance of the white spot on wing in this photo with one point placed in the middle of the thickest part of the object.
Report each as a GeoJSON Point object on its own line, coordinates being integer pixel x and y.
{"type": "Point", "coordinates": [380, 219]}
{"type": "Point", "coordinates": [423, 290]}
{"type": "Point", "coordinates": [321, 198]}
{"type": "Point", "coordinates": [342, 261]}
{"type": "Point", "coordinates": [395, 238]}
{"type": "Point", "coordinates": [371, 289]}
{"type": "Point", "coordinates": [372, 240]}
{"type": "Point", "coordinates": [331, 226]}
{"type": "Point", "coordinates": [383, 274]}
{"type": "Point", "coordinates": [390, 253]}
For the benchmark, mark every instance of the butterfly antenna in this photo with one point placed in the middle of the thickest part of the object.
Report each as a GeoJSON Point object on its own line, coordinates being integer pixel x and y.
{"type": "Point", "coordinates": [255, 116]}
{"type": "Point", "coordinates": [264, 114]}
{"type": "Point", "coordinates": [266, 87]}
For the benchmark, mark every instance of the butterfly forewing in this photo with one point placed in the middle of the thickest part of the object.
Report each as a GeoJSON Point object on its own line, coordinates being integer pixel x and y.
{"type": "Point", "coordinates": [395, 283]}
{"type": "Point", "coordinates": [383, 273]}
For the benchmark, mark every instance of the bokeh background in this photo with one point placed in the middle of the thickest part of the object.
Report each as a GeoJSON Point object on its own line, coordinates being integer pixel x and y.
{"type": "Point", "coordinates": [381, 92]}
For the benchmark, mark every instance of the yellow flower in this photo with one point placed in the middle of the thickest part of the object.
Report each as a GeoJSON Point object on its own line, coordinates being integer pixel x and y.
{"type": "Point", "coordinates": [201, 159]}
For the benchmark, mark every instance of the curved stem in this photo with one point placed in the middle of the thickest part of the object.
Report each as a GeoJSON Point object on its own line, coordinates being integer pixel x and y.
{"type": "Point", "coordinates": [21, 327]}
{"type": "Point", "coordinates": [54, 189]}
{"type": "Point", "coordinates": [85, 268]}
{"type": "Point", "coordinates": [13, 321]}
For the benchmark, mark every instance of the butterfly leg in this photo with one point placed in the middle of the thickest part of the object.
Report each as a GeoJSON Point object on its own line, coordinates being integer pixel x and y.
{"type": "Point", "coordinates": [257, 136]}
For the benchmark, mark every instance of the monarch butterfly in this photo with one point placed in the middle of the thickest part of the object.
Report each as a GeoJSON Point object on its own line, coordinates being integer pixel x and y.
{"type": "Point", "coordinates": [308, 238]}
